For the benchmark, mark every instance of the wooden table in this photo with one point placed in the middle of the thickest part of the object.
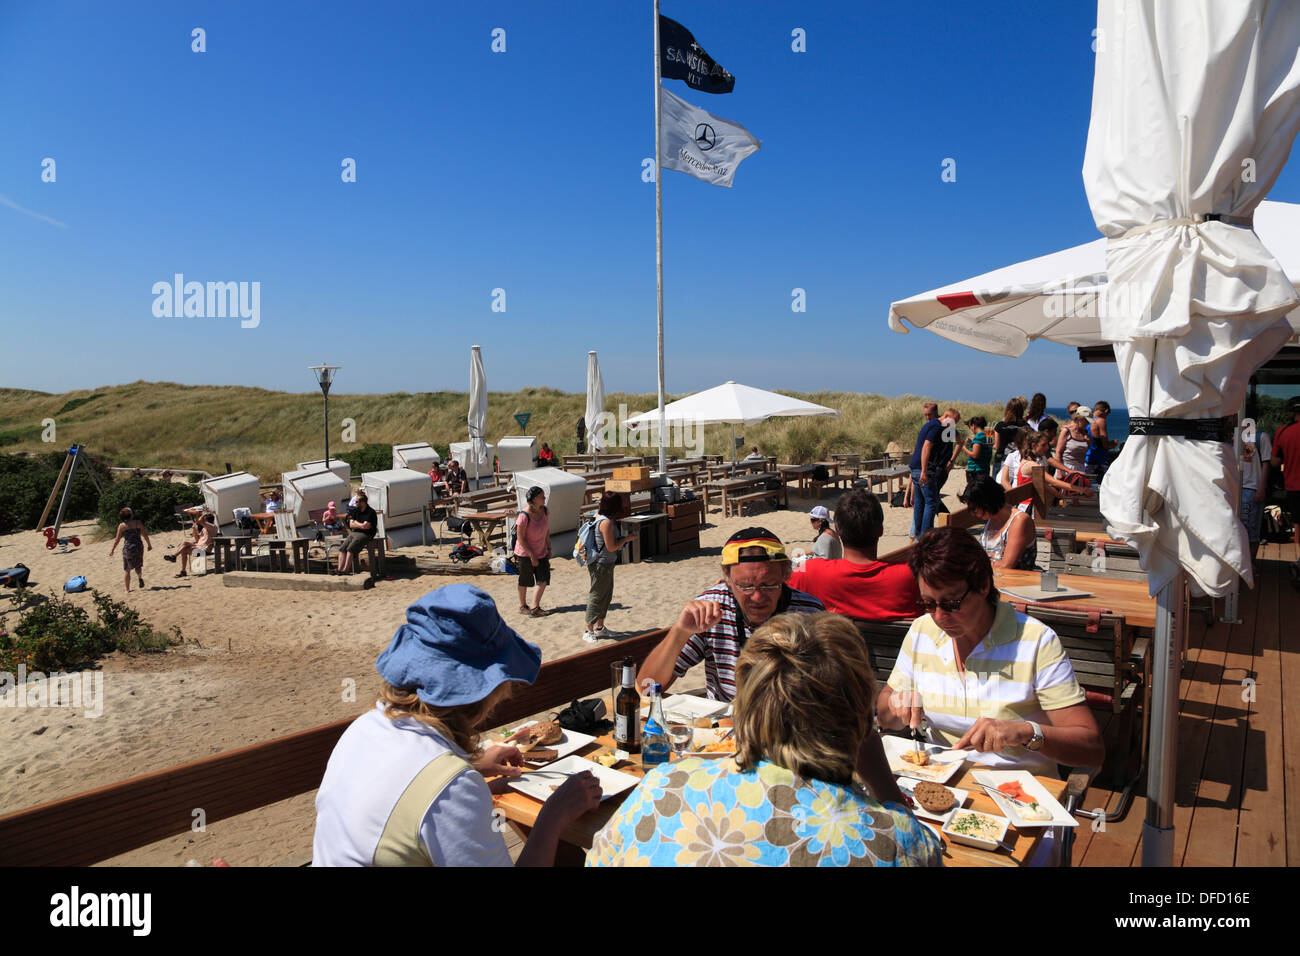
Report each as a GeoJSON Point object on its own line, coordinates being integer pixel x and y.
{"type": "Point", "coordinates": [651, 531]}
{"type": "Point", "coordinates": [521, 811]}
{"type": "Point", "coordinates": [735, 486]}
{"type": "Point", "coordinates": [1085, 531]}
{"type": "Point", "coordinates": [265, 521]}
{"type": "Point", "coordinates": [887, 475]}
{"type": "Point", "coordinates": [851, 462]}
{"type": "Point", "coordinates": [483, 524]}
{"type": "Point", "coordinates": [1129, 599]}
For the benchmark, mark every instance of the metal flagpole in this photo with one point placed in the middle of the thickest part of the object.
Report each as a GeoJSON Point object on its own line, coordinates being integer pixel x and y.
{"type": "Point", "coordinates": [659, 246]}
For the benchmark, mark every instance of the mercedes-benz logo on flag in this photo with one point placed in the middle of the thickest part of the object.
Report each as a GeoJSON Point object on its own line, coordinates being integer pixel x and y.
{"type": "Point", "coordinates": [705, 137]}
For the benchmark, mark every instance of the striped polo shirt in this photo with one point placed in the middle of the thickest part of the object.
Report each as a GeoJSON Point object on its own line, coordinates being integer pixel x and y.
{"type": "Point", "coordinates": [721, 645]}
{"type": "Point", "coordinates": [1018, 672]}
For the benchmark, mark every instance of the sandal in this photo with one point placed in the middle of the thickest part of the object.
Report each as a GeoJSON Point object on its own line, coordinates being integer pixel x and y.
{"type": "Point", "coordinates": [523, 609]}
{"type": "Point", "coordinates": [539, 612]}
{"type": "Point", "coordinates": [182, 575]}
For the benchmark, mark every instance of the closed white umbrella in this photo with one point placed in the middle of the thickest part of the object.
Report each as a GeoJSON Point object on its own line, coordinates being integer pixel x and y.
{"type": "Point", "coordinates": [731, 404]}
{"type": "Point", "coordinates": [478, 399]}
{"type": "Point", "coordinates": [1195, 108]}
{"type": "Point", "coordinates": [595, 406]}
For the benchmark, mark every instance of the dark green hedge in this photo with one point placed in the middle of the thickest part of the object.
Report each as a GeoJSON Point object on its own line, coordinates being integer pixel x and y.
{"type": "Point", "coordinates": [153, 502]}
{"type": "Point", "coordinates": [372, 457]}
{"type": "Point", "coordinates": [27, 480]}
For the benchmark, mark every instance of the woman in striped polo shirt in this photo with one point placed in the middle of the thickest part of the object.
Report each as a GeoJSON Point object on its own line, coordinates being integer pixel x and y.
{"type": "Point", "coordinates": [985, 677]}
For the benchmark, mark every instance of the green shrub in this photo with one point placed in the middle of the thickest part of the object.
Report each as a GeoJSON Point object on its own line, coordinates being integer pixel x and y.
{"type": "Point", "coordinates": [27, 480]}
{"type": "Point", "coordinates": [77, 403]}
{"type": "Point", "coordinates": [371, 457]}
{"type": "Point", "coordinates": [58, 635]}
{"type": "Point", "coordinates": [153, 502]}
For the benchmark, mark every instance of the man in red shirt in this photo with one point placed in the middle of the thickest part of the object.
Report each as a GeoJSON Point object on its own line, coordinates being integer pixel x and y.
{"type": "Point", "coordinates": [1286, 454]}
{"type": "Point", "coordinates": [858, 585]}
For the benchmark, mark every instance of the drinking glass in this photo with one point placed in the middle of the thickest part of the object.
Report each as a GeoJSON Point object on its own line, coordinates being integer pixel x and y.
{"type": "Point", "coordinates": [680, 736]}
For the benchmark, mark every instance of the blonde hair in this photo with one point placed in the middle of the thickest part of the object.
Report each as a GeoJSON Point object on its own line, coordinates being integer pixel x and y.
{"type": "Point", "coordinates": [804, 698]}
{"type": "Point", "coordinates": [457, 724]}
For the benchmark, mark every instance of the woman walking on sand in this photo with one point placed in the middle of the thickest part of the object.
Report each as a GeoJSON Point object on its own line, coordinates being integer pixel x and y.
{"type": "Point", "coordinates": [129, 533]}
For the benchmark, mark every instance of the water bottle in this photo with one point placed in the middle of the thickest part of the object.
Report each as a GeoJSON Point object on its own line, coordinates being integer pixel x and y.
{"type": "Point", "coordinates": [655, 746]}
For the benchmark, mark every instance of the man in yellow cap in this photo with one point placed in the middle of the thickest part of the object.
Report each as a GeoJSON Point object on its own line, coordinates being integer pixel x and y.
{"type": "Point", "coordinates": [714, 627]}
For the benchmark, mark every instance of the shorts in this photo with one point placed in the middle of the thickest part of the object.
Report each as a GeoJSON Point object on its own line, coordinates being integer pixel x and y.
{"type": "Point", "coordinates": [1252, 514]}
{"type": "Point", "coordinates": [356, 542]}
{"type": "Point", "coordinates": [530, 574]}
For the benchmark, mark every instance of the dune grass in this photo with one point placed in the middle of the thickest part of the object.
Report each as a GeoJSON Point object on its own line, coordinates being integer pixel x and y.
{"type": "Point", "coordinates": [165, 425]}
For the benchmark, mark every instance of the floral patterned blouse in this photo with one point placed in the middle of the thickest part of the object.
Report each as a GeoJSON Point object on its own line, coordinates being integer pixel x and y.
{"type": "Point", "coordinates": [707, 812]}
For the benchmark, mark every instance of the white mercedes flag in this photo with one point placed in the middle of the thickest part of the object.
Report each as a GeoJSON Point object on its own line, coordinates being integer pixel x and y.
{"type": "Point", "coordinates": [696, 142]}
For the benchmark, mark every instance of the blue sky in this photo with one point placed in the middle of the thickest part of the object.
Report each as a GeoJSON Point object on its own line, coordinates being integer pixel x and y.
{"type": "Point", "coordinates": [521, 171]}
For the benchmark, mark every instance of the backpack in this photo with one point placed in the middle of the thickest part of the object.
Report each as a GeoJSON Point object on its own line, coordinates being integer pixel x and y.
{"type": "Point", "coordinates": [588, 546]}
{"type": "Point", "coordinates": [75, 584]}
{"type": "Point", "coordinates": [821, 473]}
{"type": "Point", "coordinates": [465, 553]}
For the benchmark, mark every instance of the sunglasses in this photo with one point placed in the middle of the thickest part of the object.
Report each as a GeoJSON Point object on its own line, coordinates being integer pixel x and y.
{"type": "Point", "coordinates": [748, 589]}
{"type": "Point", "coordinates": [951, 605]}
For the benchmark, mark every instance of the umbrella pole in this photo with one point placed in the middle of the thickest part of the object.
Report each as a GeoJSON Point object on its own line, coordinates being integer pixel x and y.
{"type": "Point", "coordinates": [733, 444]}
{"type": "Point", "coordinates": [1166, 667]}
{"type": "Point", "coordinates": [659, 245]}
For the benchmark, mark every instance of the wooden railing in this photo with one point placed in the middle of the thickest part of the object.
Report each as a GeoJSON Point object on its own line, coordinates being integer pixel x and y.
{"type": "Point", "coordinates": [111, 820]}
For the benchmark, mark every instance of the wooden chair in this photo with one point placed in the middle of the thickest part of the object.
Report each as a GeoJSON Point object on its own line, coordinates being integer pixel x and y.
{"type": "Point", "coordinates": [111, 820]}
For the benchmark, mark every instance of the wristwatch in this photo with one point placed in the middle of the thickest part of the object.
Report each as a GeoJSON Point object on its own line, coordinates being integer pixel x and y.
{"type": "Point", "coordinates": [1036, 741]}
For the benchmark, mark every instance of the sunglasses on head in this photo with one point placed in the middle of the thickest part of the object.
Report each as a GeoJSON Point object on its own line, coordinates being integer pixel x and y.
{"type": "Point", "coordinates": [951, 605]}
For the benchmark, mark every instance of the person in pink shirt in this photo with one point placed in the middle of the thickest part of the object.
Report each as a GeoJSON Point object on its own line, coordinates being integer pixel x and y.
{"type": "Point", "coordinates": [533, 551]}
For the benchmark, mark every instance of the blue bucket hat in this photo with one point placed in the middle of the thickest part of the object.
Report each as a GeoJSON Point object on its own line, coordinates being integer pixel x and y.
{"type": "Point", "coordinates": [455, 649]}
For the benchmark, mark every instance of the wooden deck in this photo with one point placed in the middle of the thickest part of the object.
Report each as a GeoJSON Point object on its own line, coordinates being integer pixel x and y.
{"type": "Point", "coordinates": [1238, 758]}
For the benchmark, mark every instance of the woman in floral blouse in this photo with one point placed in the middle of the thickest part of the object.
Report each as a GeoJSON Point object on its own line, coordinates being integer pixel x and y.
{"type": "Point", "coordinates": [788, 798]}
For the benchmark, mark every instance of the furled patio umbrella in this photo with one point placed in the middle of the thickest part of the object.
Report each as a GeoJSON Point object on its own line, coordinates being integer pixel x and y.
{"type": "Point", "coordinates": [731, 404]}
{"type": "Point", "coordinates": [1195, 107]}
{"type": "Point", "coordinates": [595, 406]}
{"type": "Point", "coordinates": [478, 399]}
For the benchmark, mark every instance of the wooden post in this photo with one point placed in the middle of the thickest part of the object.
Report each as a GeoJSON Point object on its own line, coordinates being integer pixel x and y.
{"type": "Point", "coordinates": [54, 492]}
{"type": "Point", "coordinates": [1038, 478]}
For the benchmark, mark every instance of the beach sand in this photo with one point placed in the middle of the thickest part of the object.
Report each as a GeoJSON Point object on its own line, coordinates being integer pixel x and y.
{"type": "Point", "coordinates": [258, 664]}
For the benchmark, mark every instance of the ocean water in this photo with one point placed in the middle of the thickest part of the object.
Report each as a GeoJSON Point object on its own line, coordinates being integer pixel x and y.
{"type": "Point", "coordinates": [1116, 421]}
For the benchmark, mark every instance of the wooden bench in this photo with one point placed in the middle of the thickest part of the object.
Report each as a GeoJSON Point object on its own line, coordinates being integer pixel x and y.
{"type": "Point", "coordinates": [108, 821]}
{"type": "Point", "coordinates": [736, 503]}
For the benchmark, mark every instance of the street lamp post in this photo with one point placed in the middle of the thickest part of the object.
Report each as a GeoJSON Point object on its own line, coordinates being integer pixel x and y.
{"type": "Point", "coordinates": [325, 378]}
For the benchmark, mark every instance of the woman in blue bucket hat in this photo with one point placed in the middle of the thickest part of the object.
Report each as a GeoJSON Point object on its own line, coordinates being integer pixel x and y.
{"type": "Point", "coordinates": [404, 785]}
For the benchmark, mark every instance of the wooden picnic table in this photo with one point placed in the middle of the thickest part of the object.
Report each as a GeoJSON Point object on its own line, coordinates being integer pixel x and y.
{"type": "Point", "coordinates": [734, 487]}
{"type": "Point", "coordinates": [265, 521]}
{"type": "Point", "coordinates": [484, 524]}
{"type": "Point", "coordinates": [1086, 531]}
{"type": "Point", "coordinates": [1127, 599]}
{"type": "Point", "coordinates": [852, 462]}
{"type": "Point", "coordinates": [887, 474]}
{"type": "Point", "coordinates": [796, 473]}
{"type": "Point", "coordinates": [521, 811]}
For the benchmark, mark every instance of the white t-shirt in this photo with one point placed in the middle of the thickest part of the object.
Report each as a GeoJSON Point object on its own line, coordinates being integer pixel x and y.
{"type": "Point", "coordinates": [1250, 470]}
{"type": "Point", "coordinates": [372, 765]}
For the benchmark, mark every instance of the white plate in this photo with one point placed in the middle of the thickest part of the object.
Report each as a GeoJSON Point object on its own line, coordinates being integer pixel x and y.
{"type": "Point", "coordinates": [571, 741]}
{"type": "Point", "coordinates": [705, 736]}
{"type": "Point", "coordinates": [538, 783]}
{"type": "Point", "coordinates": [943, 765]}
{"type": "Point", "coordinates": [961, 797]}
{"type": "Point", "coordinates": [689, 707]}
{"type": "Point", "coordinates": [1060, 818]}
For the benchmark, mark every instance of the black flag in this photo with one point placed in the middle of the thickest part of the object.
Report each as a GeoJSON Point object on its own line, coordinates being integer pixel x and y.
{"type": "Point", "coordinates": [681, 58]}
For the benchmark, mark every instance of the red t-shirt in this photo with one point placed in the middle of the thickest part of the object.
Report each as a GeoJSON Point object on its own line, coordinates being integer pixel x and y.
{"type": "Point", "coordinates": [1287, 444]}
{"type": "Point", "coordinates": [874, 592]}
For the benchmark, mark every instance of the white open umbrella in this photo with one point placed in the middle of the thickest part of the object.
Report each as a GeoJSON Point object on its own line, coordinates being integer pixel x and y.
{"type": "Point", "coordinates": [1056, 297]}
{"type": "Point", "coordinates": [1195, 108]}
{"type": "Point", "coordinates": [478, 399]}
{"type": "Point", "coordinates": [595, 406]}
{"type": "Point", "coordinates": [731, 404]}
